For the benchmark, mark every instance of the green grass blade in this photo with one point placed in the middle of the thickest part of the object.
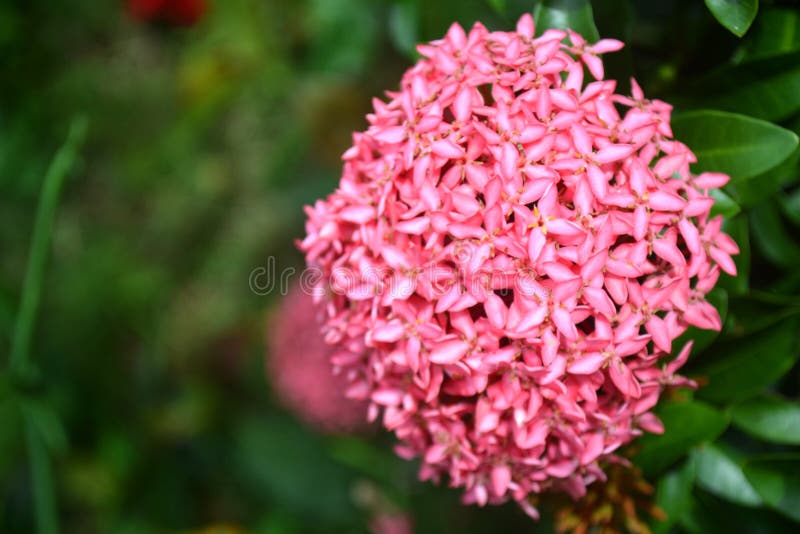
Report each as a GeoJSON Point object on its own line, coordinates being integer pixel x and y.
{"type": "Point", "coordinates": [43, 491]}
{"type": "Point", "coordinates": [61, 165]}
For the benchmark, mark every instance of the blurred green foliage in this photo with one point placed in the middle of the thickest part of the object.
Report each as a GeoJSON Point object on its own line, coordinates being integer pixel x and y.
{"type": "Point", "coordinates": [204, 143]}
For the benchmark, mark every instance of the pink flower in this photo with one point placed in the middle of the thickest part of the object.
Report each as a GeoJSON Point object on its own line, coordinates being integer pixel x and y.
{"type": "Point", "coordinates": [385, 523]}
{"type": "Point", "coordinates": [300, 370]}
{"type": "Point", "coordinates": [508, 259]}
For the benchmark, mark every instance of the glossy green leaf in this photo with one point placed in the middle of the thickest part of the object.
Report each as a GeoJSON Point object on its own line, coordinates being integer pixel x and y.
{"type": "Point", "coordinates": [379, 464]}
{"type": "Point", "coordinates": [742, 368]}
{"type": "Point", "coordinates": [44, 492]}
{"type": "Point", "coordinates": [674, 495]}
{"type": "Point", "coordinates": [769, 418]}
{"type": "Point", "coordinates": [757, 189]}
{"type": "Point", "coordinates": [775, 31]}
{"type": "Point", "coordinates": [710, 514]}
{"type": "Point", "coordinates": [268, 454]}
{"type": "Point", "coordinates": [573, 14]}
{"type": "Point", "coordinates": [765, 88]}
{"type": "Point", "coordinates": [737, 145]}
{"type": "Point", "coordinates": [7, 311]}
{"type": "Point", "coordinates": [790, 206]}
{"type": "Point", "coordinates": [10, 431]}
{"type": "Point", "coordinates": [436, 17]}
{"type": "Point", "coordinates": [41, 418]}
{"type": "Point", "coordinates": [777, 481]}
{"type": "Point", "coordinates": [773, 98]}
{"type": "Point", "coordinates": [736, 15]}
{"type": "Point", "coordinates": [404, 27]}
{"type": "Point", "coordinates": [498, 5]}
{"type": "Point", "coordinates": [789, 284]}
{"type": "Point", "coordinates": [772, 238]}
{"type": "Point", "coordinates": [723, 204]}
{"type": "Point", "coordinates": [686, 424]}
{"type": "Point", "coordinates": [344, 36]}
{"type": "Point", "coordinates": [720, 473]}
{"type": "Point", "coordinates": [749, 315]}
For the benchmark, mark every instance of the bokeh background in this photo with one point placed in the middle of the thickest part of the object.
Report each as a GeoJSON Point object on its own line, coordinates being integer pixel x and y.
{"type": "Point", "coordinates": [208, 130]}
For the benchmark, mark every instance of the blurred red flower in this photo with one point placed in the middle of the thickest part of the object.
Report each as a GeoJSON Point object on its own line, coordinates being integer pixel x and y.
{"type": "Point", "coordinates": [173, 12]}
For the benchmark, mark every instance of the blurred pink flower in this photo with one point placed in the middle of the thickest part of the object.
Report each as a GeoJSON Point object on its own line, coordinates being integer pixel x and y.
{"type": "Point", "coordinates": [300, 370]}
{"type": "Point", "coordinates": [508, 258]}
{"type": "Point", "coordinates": [391, 524]}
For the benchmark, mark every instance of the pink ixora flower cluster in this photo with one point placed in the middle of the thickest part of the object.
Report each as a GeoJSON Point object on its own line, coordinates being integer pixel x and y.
{"type": "Point", "coordinates": [541, 249]}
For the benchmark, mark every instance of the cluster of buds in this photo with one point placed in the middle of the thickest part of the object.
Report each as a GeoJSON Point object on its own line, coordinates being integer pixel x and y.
{"type": "Point", "coordinates": [510, 253]}
{"type": "Point", "coordinates": [613, 505]}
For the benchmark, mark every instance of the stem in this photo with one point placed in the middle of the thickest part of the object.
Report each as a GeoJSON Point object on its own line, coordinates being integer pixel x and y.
{"type": "Point", "coordinates": [43, 492]}
{"type": "Point", "coordinates": [40, 243]}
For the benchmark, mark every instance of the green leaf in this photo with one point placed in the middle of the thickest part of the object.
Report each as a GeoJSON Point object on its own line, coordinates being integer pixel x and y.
{"type": "Point", "coordinates": [43, 487]}
{"type": "Point", "coordinates": [711, 514]}
{"type": "Point", "coordinates": [790, 205]}
{"type": "Point", "coordinates": [499, 6]}
{"type": "Point", "coordinates": [674, 495]}
{"type": "Point", "coordinates": [755, 190]}
{"type": "Point", "coordinates": [404, 27]}
{"type": "Point", "coordinates": [719, 473]}
{"type": "Point", "coordinates": [772, 238]}
{"type": "Point", "coordinates": [736, 15]}
{"type": "Point", "coordinates": [723, 204]}
{"type": "Point", "coordinates": [46, 423]}
{"type": "Point", "coordinates": [773, 98]}
{"type": "Point", "coordinates": [686, 424]}
{"type": "Point", "coordinates": [737, 145]}
{"type": "Point", "coordinates": [769, 418]}
{"type": "Point", "coordinates": [748, 315]}
{"type": "Point", "coordinates": [788, 284]}
{"type": "Point", "coordinates": [744, 367]}
{"type": "Point", "coordinates": [776, 31]}
{"type": "Point", "coordinates": [10, 431]}
{"type": "Point", "coordinates": [7, 310]}
{"type": "Point", "coordinates": [766, 88]}
{"type": "Point", "coordinates": [363, 457]}
{"type": "Point", "coordinates": [343, 36]}
{"type": "Point", "coordinates": [436, 17]}
{"type": "Point", "coordinates": [281, 461]}
{"type": "Point", "coordinates": [777, 481]}
{"type": "Point", "coordinates": [562, 14]}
